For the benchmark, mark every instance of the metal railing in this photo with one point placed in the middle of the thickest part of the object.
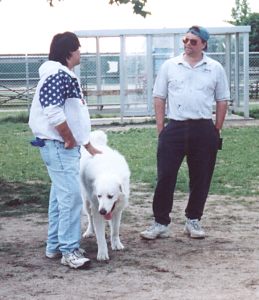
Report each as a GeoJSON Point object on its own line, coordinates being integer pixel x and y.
{"type": "Point", "coordinates": [117, 70]}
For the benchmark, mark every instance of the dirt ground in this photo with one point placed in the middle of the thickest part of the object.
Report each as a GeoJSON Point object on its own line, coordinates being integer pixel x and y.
{"type": "Point", "coordinates": [225, 265]}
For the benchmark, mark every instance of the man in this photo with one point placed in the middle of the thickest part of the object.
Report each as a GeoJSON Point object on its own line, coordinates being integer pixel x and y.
{"type": "Point", "coordinates": [60, 121]}
{"type": "Point", "coordinates": [189, 83]}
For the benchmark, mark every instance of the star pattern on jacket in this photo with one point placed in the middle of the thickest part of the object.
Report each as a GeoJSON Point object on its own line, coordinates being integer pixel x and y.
{"type": "Point", "coordinates": [57, 88]}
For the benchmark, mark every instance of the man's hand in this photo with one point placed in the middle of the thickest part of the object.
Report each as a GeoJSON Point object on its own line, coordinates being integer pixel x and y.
{"type": "Point", "coordinates": [221, 110]}
{"type": "Point", "coordinates": [159, 105]}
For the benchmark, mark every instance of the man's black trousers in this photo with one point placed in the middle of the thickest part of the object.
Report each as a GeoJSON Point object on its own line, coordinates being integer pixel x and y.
{"type": "Point", "coordinates": [197, 140]}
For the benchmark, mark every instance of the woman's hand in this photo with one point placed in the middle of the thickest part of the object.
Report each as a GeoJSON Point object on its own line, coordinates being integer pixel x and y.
{"type": "Point", "coordinates": [91, 149]}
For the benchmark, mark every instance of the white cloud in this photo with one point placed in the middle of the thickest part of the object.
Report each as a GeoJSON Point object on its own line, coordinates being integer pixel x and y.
{"type": "Point", "coordinates": [29, 25]}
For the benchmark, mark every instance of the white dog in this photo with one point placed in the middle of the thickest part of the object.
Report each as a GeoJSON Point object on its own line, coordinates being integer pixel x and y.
{"type": "Point", "coordinates": [105, 183]}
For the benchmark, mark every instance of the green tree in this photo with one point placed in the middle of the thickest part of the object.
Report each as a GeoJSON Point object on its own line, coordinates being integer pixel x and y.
{"type": "Point", "coordinates": [240, 12]}
{"type": "Point", "coordinates": [253, 21]}
{"type": "Point", "coordinates": [242, 15]}
{"type": "Point", "coordinates": [137, 5]}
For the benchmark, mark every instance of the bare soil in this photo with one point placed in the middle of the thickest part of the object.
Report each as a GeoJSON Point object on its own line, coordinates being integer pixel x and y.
{"type": "Point", "coordinates": [225, 265]}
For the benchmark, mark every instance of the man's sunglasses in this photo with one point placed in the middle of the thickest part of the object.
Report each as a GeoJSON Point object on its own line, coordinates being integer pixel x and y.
{"type": "Point", "coordinates": [193, 42]}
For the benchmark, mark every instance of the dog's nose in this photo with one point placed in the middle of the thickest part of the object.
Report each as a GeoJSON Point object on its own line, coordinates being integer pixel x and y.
{"type": "Point", "coordinates": [103, 211]}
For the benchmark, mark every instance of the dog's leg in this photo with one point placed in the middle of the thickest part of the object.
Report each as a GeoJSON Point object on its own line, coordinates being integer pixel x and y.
{"type": "Point", "coordinates": [99, 225]}
{"type": "Point", "coordinates": [90, 229]}
{"type": "Point", "coordinates": [115, 228]}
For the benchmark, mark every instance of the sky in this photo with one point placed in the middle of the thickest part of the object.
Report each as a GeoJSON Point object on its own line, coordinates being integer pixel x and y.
{"type": "Point", "coordinates": [27, 26]}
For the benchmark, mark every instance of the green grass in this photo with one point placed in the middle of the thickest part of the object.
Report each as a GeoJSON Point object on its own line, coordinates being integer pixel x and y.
{"type": "Point", "coordinates": [24, 181]}
{"type": "Point", "coordinates": [253, 110]}
{"type": "Point", "coordinates": [237, 169]}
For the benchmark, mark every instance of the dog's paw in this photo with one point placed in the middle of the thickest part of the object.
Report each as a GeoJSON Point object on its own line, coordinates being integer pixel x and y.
{"type": "Point", "coordinates": [102, 255]}
{"type": "Point", "coordinates": [88, 234]}
{"type": "Point", "coordinates": [116, 244]}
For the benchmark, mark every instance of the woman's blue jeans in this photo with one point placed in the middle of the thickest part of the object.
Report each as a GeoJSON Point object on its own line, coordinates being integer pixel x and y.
{"type": "Point", "coordinates": [65, 202]}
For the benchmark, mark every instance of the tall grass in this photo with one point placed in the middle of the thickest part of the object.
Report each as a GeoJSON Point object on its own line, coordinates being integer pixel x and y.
{"type": "Point", "coordinates": [23, 177]}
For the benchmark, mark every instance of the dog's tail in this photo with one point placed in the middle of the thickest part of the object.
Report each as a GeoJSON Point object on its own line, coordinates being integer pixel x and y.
{"type": "Point", "coordinates": [98, 137]}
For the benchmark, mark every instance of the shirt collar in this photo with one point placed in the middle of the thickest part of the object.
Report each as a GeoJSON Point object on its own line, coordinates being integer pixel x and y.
{"type": "Point", "coordinates": [180, 59]}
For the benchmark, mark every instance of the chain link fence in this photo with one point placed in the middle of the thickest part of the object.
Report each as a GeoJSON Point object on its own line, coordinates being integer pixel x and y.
{"type": "Point", "coordinates": [254, 76]}
{"type": "Point", "coordinates": [101, 74]}
{"type": "Point", "coordinates": [18, 79]}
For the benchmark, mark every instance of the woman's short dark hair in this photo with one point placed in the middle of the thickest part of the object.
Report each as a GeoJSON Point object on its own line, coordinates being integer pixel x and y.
{"type": "Point", "coordinates": [62, 45]}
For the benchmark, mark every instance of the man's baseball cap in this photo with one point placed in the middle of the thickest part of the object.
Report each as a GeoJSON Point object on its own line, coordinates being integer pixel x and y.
{"type": "Point", "coordinates": [201, 32]}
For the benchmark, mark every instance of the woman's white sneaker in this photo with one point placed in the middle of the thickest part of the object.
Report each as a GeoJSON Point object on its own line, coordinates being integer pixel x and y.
{"type": "Point", "coordinates": [58, 254]}
{"type": "Point", "coordinates": [156, 230]}
{"type": "Point", "coordinates": [193, 229]}
{"type": "Point", "coordinates": [75, 260]}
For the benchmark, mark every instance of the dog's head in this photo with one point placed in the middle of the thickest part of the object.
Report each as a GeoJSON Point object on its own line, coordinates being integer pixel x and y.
{"type": "Point", "coordinates": [109, 192]}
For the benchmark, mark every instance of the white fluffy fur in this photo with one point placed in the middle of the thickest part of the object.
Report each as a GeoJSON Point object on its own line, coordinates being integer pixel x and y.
{"type": "Point", "coordinates": [105, 183]}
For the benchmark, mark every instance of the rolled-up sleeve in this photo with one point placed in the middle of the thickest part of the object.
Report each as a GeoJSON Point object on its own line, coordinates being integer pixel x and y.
{"type": "Point", "coordinates": [222, 92]}
{"type": "Point", "coordinates": [161, 83]}
{"type": "Point", "coordinates": [55, 114]}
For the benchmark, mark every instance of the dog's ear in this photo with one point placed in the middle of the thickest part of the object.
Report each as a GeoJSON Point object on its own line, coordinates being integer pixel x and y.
{"type": "Point", "coordinates": [122, 190]}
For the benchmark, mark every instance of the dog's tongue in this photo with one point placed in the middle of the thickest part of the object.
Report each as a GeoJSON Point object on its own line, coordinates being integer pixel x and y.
{"type": "Point", "coordinates": [108, 216]}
